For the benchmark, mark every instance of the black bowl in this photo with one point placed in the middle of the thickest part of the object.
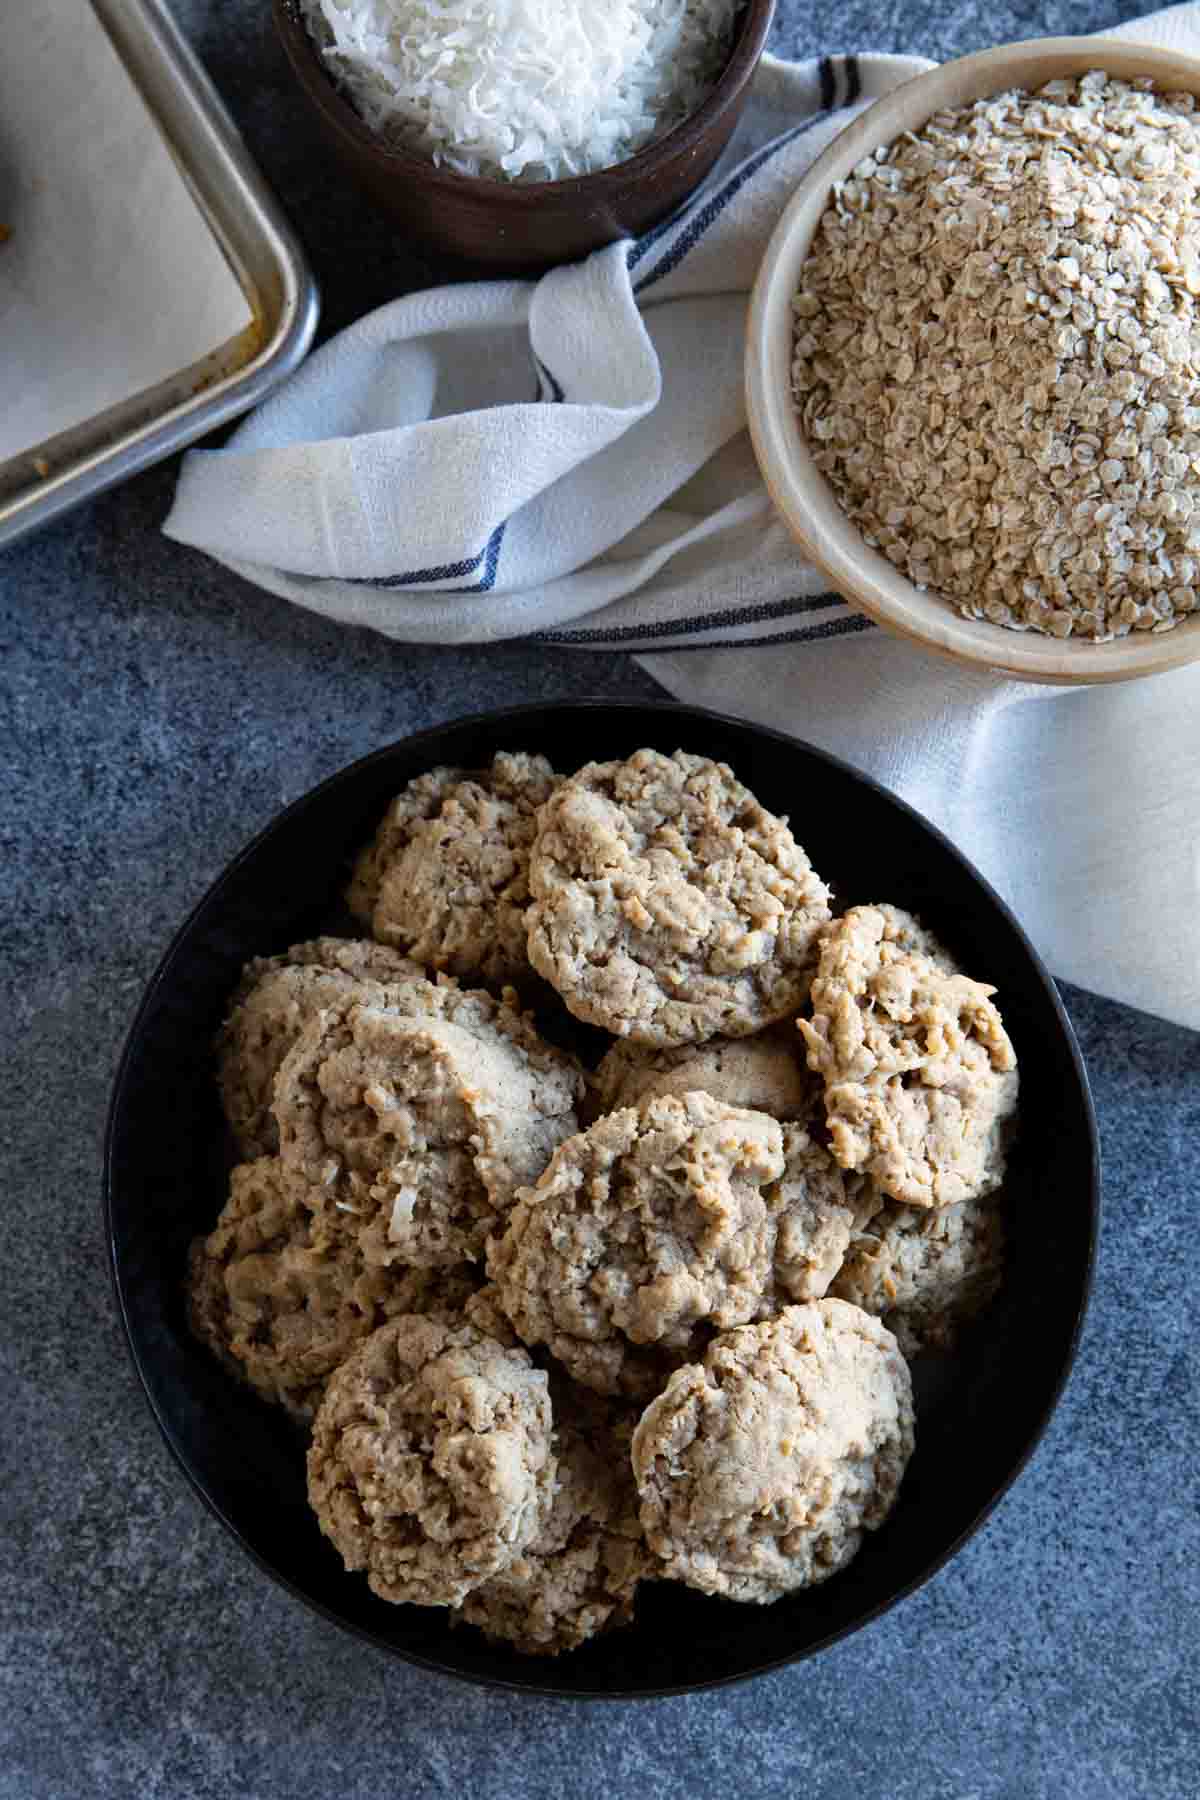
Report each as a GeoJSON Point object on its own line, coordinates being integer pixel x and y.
{"type": "Point", "coordinates": [979, 1415]}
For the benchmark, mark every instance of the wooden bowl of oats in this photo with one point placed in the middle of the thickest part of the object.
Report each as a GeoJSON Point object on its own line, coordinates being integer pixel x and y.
{"type": "Point", "coordinates": [973, 361]}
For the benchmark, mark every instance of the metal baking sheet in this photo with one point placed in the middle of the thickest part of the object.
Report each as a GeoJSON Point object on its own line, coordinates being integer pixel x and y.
{"type": "Point", "coordinates": [258, 244]}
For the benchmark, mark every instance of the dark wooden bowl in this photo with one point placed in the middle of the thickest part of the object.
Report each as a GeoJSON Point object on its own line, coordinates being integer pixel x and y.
{"type": "Point", "coordinates": [513, 227]}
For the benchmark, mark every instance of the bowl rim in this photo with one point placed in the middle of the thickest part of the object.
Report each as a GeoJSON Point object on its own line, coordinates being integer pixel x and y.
{"type": "Point", "coordinates": [681, 140]}
{"type": "Point", "coordinates": [518, 716]}
{"type": "Point", "coordinates": [800, 493]}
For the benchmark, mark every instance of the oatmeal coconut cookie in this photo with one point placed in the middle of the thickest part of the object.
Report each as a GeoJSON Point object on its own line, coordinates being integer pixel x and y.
{"type": "Point", "coordinates": [282, 1294]}
{"type": "Point", "coordinates": [920, 1077]}
{"type": "Point", "coordinates": [431, 1464]}
{"type": "Point", "coordinates": [906, 931]}
{"type": "Point", "coordinates": [446, 878]}
{"type": "Point", "coordinates": [422, 1124]}
{"type": "Point", "coordinates": [668, 905]}
{"type": "Point", "coordinates": [760, 1469]}
{"type": "Point", "coordinates": [817, 1209]}
{"type": "Point", "coordinates": [483, 1310]}
{"type": "Point", "coordinates": [646, 1231]}
{"type": "Point", "coordinates": [815, 1205]}
{"type": "Point", "coordinates": [926, 1271]}
{"type": "Point", "coordinates": [580, 1574]}
{"type": "Point", "coordinates": [275, 999]}
{"type": "Point", "coordinates": [766, 1073]}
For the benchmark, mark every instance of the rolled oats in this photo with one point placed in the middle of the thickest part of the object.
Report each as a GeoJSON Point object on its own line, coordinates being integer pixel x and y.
{"type": "Point", "coordinates": [996, 356]}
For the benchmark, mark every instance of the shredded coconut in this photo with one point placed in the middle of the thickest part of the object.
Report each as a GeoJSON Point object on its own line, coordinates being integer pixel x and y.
{"type": "Point", "coordinates": [523, 90]}
{"type": "Point", "coordinates": [403, 1209]}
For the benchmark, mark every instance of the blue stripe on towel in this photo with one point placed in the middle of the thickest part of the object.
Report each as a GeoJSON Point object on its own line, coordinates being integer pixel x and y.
{"type": "Point", "coordinates": [696, 227]}
{"type": "Point", "coordinates": [648, 239]}
{"type": "Point", "coordinates": [489, 556]}
{"type": "Point", "coordinates": [811, 634]}
{"type": "Point", "coordinates": [735, 615]}
{"type": "Point", "coordinates": [491, 559]}
{"type": "Point", "coordinates": [557, 390]}
{"type": "Point", "coordinates": [647, 242]}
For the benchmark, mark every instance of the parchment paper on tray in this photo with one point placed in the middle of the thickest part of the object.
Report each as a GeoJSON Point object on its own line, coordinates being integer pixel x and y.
{"type": "Point", "coordinates": [110, 279]}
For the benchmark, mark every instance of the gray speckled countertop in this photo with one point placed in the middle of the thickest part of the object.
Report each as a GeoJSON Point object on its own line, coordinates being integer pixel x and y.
{"type": "Point", "coordinates": [157, 712]}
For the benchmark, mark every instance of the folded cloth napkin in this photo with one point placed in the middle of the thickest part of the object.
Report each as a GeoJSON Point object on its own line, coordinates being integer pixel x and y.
{"type": "Point", "coordinates": [567, 460]}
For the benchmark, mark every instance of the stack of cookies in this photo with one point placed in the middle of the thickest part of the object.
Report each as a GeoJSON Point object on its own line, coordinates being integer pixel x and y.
{"type": "Point", "coordinates": [562, 1322]}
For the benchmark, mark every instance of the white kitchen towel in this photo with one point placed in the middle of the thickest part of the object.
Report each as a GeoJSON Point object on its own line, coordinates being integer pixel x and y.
{"type": "Point", "coordinates": [567, 460]}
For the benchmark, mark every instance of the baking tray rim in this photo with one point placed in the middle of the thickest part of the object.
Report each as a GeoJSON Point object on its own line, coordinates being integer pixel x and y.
{"type": "Point", "coordinates": [250, 225]}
